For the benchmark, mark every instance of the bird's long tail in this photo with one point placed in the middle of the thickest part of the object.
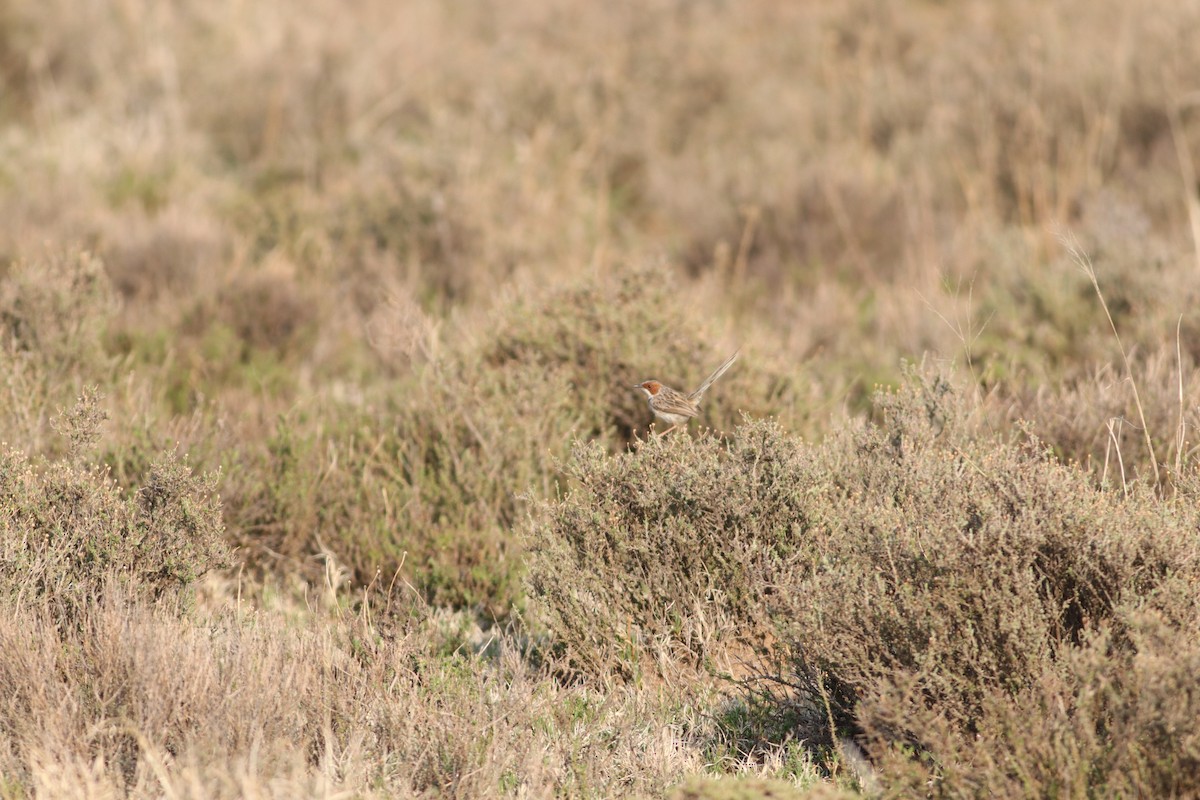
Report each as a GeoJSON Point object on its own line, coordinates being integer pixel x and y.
{"type": "Point", "coordinates": [696, 395]}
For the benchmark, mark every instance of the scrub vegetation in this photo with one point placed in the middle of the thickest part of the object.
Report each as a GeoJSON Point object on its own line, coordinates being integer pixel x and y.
{"type": "Point", "coordinates": [320, 471]}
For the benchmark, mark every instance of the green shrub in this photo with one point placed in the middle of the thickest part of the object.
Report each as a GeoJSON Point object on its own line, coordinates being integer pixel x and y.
{"type": "Point", "coordinates": [431, 475]}
{"type": "Point", "coordinates": [66, 530]}
{"type": "Point", "coordinates": [589, 342]}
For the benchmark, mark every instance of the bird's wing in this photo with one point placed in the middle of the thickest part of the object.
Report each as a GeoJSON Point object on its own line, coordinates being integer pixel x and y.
{"type": "Point", "coordinates": [672, 402]}
{"type": "Point", "coordinates": [696, 395]}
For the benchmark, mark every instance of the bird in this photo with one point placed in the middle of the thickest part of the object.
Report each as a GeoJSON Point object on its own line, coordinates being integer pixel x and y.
{"type": "Point", "coordinates": [675, 407]}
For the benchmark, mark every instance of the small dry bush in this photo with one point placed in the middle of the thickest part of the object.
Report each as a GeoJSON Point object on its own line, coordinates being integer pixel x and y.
{"type": "Point", "coordinates": [672, 551]}
{"type": "Point", "coordinates": [67, 531]}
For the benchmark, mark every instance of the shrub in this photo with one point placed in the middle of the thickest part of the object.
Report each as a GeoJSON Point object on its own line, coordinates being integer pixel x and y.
{"type": "Point", "coordinates": [66, 530]}
{"type": "Point", "coordinates": [53, 313]}
{"type": "Point", "coordinates": [929, 586]}
{"type": "Point", "coordinates": [431, 476]}
{"type": "Point", "coordinates": [1111, 717]}
{"type": "Point", "coordinates": [684, 547]}
{"type": "Point", "coordinates": [957, 584]}
{"type": "Point", "coordinates": [161, 258]}
{"type": "Point", "coordinates": [671, 551]}
{"type": "Point", "coordinates": [54, 310]}
{"type": "Point", "coordinates": [970, 563]}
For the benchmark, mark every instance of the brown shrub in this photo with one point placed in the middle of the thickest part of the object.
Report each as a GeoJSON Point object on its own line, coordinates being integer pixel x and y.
{"type": "Point", "coordinates": [54, 311]}
{"type": "Point", "coordinates": [267, 309]}
{"type": "Point", "coordinates": [1110, 717]}
{"type": "Point", "coordinates": [167, 256]}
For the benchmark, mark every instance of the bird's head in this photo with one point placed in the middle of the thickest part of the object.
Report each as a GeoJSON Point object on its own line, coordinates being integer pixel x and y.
{"type": "Point", "coordinates": [651, 388]}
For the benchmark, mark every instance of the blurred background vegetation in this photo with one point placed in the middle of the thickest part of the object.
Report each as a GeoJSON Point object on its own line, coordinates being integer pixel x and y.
{"type": "Point", "coordinates": [377, 269]}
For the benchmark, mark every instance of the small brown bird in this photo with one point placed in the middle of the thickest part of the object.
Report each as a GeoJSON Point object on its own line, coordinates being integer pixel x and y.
{"type": "Point", "coordinates": [676, 407]}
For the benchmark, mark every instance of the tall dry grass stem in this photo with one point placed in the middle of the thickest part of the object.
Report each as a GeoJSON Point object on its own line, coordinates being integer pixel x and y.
{"type": "Point", "coordinates": [1182, 442]}
{"type": "Point", "coordinates": [1084, 262]}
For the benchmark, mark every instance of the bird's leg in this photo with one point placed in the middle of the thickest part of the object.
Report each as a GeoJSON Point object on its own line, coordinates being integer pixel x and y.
{"type": "Point", "coordinates": [668, 430]}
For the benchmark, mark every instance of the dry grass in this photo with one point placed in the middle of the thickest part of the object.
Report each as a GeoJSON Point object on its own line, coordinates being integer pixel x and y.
{"type": "Point", "coordinates": [138, 702]}
{"type": "Point", "coordinates": [383, 274]}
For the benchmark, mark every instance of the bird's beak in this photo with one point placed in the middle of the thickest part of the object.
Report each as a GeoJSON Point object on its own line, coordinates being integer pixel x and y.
{"type": "Point", "coordinates": [636, 386]}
